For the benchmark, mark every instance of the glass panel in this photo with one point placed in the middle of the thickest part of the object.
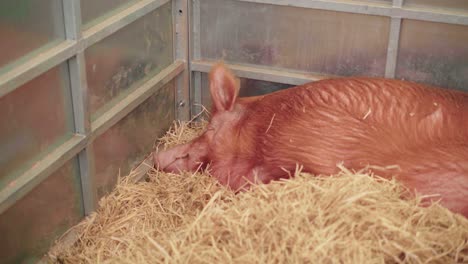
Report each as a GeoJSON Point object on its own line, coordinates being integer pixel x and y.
{"type": "Point", "coordinates": [133, 54]}
{"type": "Point", "coordinates": [295, 38]}
{"type": "Point", "coordinates": [453, 5]}
{"type": "Point", "coordinates": [93, 11]}
{"type": "Point", "coordinates": [434, 53]}
{"type": "Point", "coordinates": [127, 143]}
{"type": "Point", "coordinates": [31, 225]}
{"type": "Point", "coordinates": [248, 87]}
{"type": "Point", "coordinates": [34, 118]}
{"type": "Point", "coordinates": [27, 25]}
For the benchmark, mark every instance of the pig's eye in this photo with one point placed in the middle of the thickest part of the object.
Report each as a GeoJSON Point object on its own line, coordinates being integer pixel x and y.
{"type": "Point", "coordinates": [183, 157]}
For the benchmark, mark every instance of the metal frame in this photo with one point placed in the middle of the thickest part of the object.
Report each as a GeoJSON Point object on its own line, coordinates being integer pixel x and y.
{"type": "Point", "coordinates": [393, 42]}
{"type": "Point", "coordinates": [71, 51]}
{"type": "Point", "coordinates": [180, 15]}
{"type": "Point", "coordinates": [396, 11]}
{"type": "Point", "coordinates": [262, 73]}
{"type": "Point", "coordinates": [392, 49]}
{"type": "Point", "coordinates": [195, 80]}
{"type": "Point", "coordinates": [79, 89]}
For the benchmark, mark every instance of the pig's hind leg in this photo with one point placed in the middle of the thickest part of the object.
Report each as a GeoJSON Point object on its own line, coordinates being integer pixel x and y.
{"type": "Point", "coordinates": [242, 179]}
{"type": "Point", "coordinates": [439, 169]}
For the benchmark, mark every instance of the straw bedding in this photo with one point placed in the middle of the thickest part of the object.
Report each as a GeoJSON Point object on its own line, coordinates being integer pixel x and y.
{"type": "Point", "coordinates": [350, 217]}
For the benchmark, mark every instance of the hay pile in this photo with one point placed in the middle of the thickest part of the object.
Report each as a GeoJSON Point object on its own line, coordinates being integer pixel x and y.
{"type": "Point", "coordinates": [346, 218]}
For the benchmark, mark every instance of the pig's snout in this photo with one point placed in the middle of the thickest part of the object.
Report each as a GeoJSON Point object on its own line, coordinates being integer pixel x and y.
{"type": "Point", "coordinates": [178, 159]}
{"type": "Point", "coordinates": [172, 160]}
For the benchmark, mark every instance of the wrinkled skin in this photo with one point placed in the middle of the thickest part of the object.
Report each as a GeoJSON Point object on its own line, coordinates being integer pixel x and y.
{"type": "Point", "coordinates": [354, 121]}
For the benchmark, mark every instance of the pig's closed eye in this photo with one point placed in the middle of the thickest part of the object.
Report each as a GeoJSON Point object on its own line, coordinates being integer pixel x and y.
{"type": "Point", "coordinates": [183, 157]}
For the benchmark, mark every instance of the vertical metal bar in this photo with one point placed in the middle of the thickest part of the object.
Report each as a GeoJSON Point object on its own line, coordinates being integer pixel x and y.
{"type": "Point", "coordinates": [197, 93]}
{"type": "Point", "coordinates": [196, 30]}
{"type": "Point", "coordinates": [393, 42]}
{"type": "Point", "coordinates": [83, 126]}
{"type": "Point", "coordinates": [392, 49]}
{"type": "Point", "coordinates": [76, 66]}
{"type": "Point", "coordinates": [196, 55]}
{"type": "Point", "coordinates": [57, 17]}
{"type": "Point", "coordinates": [180, 15]}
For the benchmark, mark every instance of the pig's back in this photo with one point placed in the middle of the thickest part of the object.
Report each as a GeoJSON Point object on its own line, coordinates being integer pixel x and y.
{"type": "Point", "coordinates": [356, 120]}
{"type": "Point", "coordinates": [366, 121]}
{"type": "Point", "coordinates": [375, 102]}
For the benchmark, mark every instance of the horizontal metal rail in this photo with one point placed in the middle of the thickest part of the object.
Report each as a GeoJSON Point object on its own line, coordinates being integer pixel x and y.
{"type": "Point", "coordinates": [18, 188]}
{"type": "Point", "coordinates": [118, 21]}
{"type": "Point", "coordinates": [34, 67]}
{"type": "Point", "coordinates": [258, 73]}
{"type": "Point", "coordinates": [41, 63]}
{"type": "Point", "coordinates": [43, 168]}
{"type": "Point", "coordinates": [125, 106]}
{"type": "Point", "coordinates": [378, 9]}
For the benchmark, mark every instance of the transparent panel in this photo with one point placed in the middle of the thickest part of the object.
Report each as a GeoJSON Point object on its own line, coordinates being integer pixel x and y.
{"type": "Point", "coordinates": [34, 118]}
{"type": "Point", "coordinates": [31, 225]}
{"type": "Point", "coordinates": [434, 53]}
{"type": "Point", "coordinates": [452, 5]}
{"type": "Point", "coordinates": [248, 87]}
{"type": "Point", "coordinates": [131, 55]}
{"type": "Point", "coordinates": [295, 38]}
{"type": "Point", "coordinates": [93, 11]}
{"type": "Point", "coordinates": [27, 26]}
{"type": "Point", "coordinates": [127, 143]}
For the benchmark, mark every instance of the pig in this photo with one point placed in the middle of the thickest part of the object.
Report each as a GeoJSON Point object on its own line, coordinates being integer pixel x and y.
{"type": "Point", "coordinates": [360, 122]}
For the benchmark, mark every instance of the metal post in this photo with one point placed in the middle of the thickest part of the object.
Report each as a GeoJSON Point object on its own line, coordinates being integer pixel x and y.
{"type": "Point", "coordinates": [195, 79]}
{"type": "Point", "coordinates": [195, 30]}
{"type": "Point", "coordinates": [197, 93]}
{"type": "Point", "coordinates": [81, 115]}
{"type": "Point", "coordinates": [392, 50]}
{"type": "Point", "coordinates": [393, 42]}
{"type": "Point", "coordinates": [180, 11]}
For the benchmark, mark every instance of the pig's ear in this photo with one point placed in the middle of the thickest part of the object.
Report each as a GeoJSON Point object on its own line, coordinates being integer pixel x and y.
{"type": "Point", "coordinates": [224, 88]}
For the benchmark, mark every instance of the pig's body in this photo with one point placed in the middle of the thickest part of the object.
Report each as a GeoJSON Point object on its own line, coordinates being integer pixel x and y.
{"type": "Point", "coordinates": [354, 121]}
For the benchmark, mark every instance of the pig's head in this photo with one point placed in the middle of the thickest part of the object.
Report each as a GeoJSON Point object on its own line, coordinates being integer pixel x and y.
{"type": "Point", "coordinates": [219, 134]}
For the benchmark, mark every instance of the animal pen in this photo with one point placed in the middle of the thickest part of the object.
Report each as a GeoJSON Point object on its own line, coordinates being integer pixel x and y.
{"type": "Point", "coordinates": [87, 86]}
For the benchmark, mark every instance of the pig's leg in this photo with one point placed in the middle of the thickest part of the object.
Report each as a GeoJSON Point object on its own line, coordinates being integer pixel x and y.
{"type": "Point", "coordinates": [240, 177]}
{"type": "Point", "coordinates": [441, 169]}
